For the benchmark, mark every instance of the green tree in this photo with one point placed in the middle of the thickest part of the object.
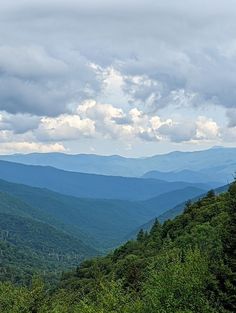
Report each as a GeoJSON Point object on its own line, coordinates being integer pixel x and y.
{"type": "Point", "coordinates": [177, 284]}
{"type": "Point", "coordinates": [141, 235]}
{"type": "Point", "coordinates": [14, 299]}
{"type": "Point", "coordinates": [111, 299]}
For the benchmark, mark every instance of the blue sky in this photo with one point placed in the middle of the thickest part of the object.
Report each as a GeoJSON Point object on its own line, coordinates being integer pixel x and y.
{"type": "Point", "coordinates": [117, 77]}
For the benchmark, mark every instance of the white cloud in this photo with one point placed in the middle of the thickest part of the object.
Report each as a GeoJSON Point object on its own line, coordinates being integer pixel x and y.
{"type": "Point", "coordinates": [207, 129]}
{"type": "Point", "coordinates": [97, 111]}
{"type": "Point", "coordinates": [64, 127]}
{"type": "Point", "coordinates": [92, 119]}
{"type": "Point", "coordinates": [28, 147]}
{"type": "Point", "coordinates": [113, 122]}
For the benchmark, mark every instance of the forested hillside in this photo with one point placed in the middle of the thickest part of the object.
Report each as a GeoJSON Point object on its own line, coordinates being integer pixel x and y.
{"type": "Point", "coordinates": [176, 210]}
{"type": "Point", "coordinates": [117, 156]}
{"type": "Point", "coordinates": [45, 232]}
{"type": "Point", "coordinates": [29, 245]}
{"type": "Point", "coordinates": [185, 265]}
{"type": "Point", "coordinates": [103, 224]}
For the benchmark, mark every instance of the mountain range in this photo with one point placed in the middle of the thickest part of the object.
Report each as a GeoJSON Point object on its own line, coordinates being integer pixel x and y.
{"type": "Point", "coordinates": [90, 185]}
{"type": "Point", "coordinates": [217, 164]}
{"type": "Point", "coordinates": [51, 219]}
{"type": "Point", "coordinates": [173, 212]}
{"type": "Point", "coordinates": [97, 222]}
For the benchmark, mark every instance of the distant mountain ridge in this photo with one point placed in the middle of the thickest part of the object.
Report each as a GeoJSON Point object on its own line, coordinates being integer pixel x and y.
{"type": "Point", "coordinates": [219, 158]}
{"type": "Point", "coordinates": [89, 185]}
{"type": "Point", "coordinates": [173, 212]}
{"type": "Point", "coordinates": [169, 199]}
{"type": "Point", "coordinates": [184, 175]}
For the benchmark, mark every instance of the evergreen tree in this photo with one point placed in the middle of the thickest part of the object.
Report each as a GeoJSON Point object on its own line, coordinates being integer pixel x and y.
{"type": "Point", "coordinates": [141, 235]}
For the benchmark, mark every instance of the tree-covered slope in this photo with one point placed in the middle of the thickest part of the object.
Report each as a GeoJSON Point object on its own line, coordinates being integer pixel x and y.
{"type": "Point", "coordinates": [175, 210]}
{"type": "Point", "coordinates": [28, 245]}
{"type": "Point", "coordinates": [168, 200]}
{"type": "Point", "coordinates": [186, 265]}
{"type": "Point", "coordinates": [179, 208]}
{"type": "Point", "coordinates": [102, 223]}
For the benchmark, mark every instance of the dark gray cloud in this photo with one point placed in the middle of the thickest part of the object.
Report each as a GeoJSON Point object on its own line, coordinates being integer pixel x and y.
{"type": "Point", "coordinates": [54, 54]}
{"type": "Point", "coordinates": [18, 123]}
{"type": "Point", "coordinates": [40, 82]}
{"type": "Point", "coordinates": [48, 46]}
{"type": "Point", "coordinates": [179, 132]}
{"type": "Point", "coordinates": [231, 114]}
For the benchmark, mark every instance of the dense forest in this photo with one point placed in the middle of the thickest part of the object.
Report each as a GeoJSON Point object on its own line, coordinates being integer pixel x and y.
{"type": "Point", "coordinates": [181, 266]}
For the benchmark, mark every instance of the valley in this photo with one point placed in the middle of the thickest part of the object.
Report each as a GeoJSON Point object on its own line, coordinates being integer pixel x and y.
{"type": "Point", "coordinates": [117, 156]}
{"type": "Point", "coordinates": [53, 221]}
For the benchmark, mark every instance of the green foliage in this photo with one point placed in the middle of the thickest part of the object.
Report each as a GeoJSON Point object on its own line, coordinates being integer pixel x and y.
{"type": "Point", "coordinates": [28, 245]}
{"type": "Point", "coordinates": [177, 283]}
{"type": "Point", "coordinates": [186, 265]}
{"type": "Point", "coordinates": [13, 299]}
{"type": "Point", "coordinates": [100, 223]}
{"type": "Point", "coordinates": [20, 299]}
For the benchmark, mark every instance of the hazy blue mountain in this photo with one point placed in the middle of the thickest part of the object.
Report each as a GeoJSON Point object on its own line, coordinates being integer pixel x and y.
{"type": "Point", "coordinates": [218, 172]}
{"type": "Point", "coordinates": [221, 159]}
{"type": "Point", "coordinates": [173, 212]}
{"type": "Point", "coordinates": [97, 222]}
{"type": "Point", "coordinates": [186, 176]}
{"type": "Point", "coordinates": [84, 163]}
{"type": "Point", "coordinates": [89, 185]}
{"type": "Point", "coordinates": [168, 200]}
{"type": "Point", "coordinates": [178, 209]}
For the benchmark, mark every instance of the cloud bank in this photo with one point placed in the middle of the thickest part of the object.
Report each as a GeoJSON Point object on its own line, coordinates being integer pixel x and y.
{"type": "Point", "coordinates": [146, 71]}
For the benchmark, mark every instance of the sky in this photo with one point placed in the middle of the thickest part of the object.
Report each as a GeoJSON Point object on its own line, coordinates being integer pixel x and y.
{"type": "Point", "coordinates": [134, 78]}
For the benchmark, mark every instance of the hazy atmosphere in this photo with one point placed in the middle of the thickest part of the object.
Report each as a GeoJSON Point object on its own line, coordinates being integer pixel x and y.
{"type": "Point", "coordinates": [118, 156]}
{"type": "Point", "coordinates": [130, 77]}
